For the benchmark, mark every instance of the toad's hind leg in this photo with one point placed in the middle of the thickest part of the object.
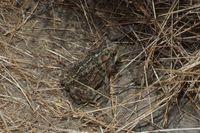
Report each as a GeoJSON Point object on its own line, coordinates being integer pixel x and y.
{"type": "Point", "coordinates": [82, 94]}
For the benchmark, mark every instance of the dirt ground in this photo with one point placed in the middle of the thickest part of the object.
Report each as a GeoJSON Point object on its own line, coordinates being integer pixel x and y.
{"type": "Point", "coordinates": [155, 85]}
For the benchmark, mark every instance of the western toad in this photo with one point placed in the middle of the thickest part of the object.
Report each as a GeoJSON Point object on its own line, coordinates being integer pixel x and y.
{"type": "Point", "coordinates": [88, 79]}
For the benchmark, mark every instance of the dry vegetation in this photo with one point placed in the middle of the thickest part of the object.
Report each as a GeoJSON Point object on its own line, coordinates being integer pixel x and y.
{"type": "Point", "coordinates": [156, 82]}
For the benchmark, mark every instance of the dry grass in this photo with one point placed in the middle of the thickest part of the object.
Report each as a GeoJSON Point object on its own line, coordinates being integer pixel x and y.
{"type": "Point", "coordinates": [156, 86]}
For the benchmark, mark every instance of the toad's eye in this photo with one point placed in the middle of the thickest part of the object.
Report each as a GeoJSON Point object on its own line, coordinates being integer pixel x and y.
{"type": "Point", "coordinates": [105, 58]}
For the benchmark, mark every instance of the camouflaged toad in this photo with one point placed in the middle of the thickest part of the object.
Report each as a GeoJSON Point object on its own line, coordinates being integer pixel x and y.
{"type": "Point", "coordinates": [88, 79]}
